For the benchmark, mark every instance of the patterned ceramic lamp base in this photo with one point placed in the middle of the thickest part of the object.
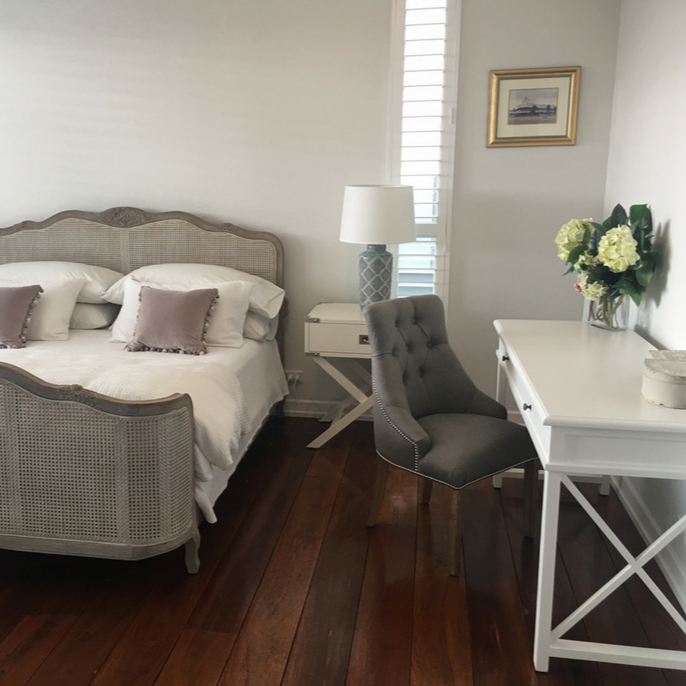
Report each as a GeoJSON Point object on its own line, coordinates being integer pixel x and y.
{"type": "Point", "coordinates": [376, 273]}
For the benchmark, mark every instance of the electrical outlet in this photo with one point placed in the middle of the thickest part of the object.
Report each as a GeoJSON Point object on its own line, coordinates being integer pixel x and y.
{"type": "Point", "coordinates": [294, 377]}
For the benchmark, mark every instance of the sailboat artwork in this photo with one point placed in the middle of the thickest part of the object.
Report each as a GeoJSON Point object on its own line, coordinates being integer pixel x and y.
{"type": "Point", "coordinates": [532, 106]}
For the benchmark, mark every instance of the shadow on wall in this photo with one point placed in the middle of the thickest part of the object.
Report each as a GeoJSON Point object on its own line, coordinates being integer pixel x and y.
{"type": "Point", "coordinates": [653, 296]}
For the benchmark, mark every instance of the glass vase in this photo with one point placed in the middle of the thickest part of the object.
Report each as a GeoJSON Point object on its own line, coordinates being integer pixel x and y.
{"type": "Point", "coordinates": [608, 312]}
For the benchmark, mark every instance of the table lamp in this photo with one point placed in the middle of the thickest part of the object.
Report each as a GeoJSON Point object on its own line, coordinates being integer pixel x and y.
{"type": "Point", "coordinates": [377, 216]}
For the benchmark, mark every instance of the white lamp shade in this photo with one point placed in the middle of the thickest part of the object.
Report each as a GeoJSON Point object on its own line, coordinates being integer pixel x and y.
{"type": "Point", "coordinates": [378, 215]}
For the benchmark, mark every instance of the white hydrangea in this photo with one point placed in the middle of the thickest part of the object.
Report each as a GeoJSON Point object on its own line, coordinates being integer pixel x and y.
{"type": "Point", "coordinates": [585, 260]}
{"type": "Point", "coordinates": [570, 235]}
{"type": "Point", "coordinates": [617, 249]}
{"type": "Point", "coordinates": [591, 290]}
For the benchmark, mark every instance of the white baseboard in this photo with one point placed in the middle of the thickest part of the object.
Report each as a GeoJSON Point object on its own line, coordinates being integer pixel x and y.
{"type": "Point", "coordinates": [672, 567]}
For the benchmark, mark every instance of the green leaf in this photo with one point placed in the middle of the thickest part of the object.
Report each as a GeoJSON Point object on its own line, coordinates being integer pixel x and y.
{"type": "Point", "coordinates": [575, 253]}
{"type": "Point", "coordinates": [628, 287]}
{"type": "Point", "coordinates": [641, 215]}
{"type": "Point", "coordinates": [645, 270]}
{"type": "Point", "coordinates": [599, 232]}
{"type": "Point", "coordinates": [618, 216]}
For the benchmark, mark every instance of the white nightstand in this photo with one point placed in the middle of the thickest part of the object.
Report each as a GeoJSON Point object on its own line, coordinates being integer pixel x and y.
{"type": "Point", "coordinates": [339, 330]}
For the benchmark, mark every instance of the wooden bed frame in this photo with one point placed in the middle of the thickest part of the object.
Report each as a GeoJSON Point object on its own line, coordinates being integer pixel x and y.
{"type": "Point", "coordinates": [85, 474]}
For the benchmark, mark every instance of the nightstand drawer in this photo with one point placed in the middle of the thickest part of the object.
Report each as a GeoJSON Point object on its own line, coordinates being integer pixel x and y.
{"type": "Point", "coordinates": [336, 339]}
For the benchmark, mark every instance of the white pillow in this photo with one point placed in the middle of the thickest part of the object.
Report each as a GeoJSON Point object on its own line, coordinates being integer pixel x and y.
{"type": "Point", "coordinates": [265, 298]}
{"type": "Point", "coordinates": [226, 322]}
{"type": "Point", "coordinates": [260, 328]}
{"type": "Point", "coordinates": [96, 280]}
{"type": "Point", "coordinates": [89, 316]}
{"type": "Point", "coordinates": [52, 311]}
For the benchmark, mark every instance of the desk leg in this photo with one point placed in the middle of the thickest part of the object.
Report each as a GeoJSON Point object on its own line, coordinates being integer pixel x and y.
{"type": "Point", "coordinates": [546, 570]}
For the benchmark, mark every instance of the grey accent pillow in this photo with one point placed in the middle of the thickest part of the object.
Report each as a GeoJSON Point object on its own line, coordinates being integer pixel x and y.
{"type": "Point", "coordinates": [173, 321]}
{"type": "Point", "coordinates": [16, 305]}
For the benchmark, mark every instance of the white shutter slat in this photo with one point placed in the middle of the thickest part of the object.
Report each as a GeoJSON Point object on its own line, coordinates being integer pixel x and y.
{"type": "Point", "coordinates": [423, 157]}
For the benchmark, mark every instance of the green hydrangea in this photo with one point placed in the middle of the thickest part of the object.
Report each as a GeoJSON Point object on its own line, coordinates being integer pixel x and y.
{"type": "Point", "coordinates": [591, 290]}
{"type": "Point", "coordinates": [570, 235]}
{"type": "Point", "coordinates": [586, 259]}
{"type": "Point", "coordinates": [617, 249]}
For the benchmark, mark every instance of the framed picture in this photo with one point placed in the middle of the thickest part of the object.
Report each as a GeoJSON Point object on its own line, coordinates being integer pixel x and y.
{"type": "Point", "coordinates": [533, 106]}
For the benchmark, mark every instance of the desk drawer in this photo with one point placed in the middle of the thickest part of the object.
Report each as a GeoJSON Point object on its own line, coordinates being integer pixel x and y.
{"type": "Point", "coordinates": [336, 340]}
{"type": "Point", "coordinates": [529, 407]}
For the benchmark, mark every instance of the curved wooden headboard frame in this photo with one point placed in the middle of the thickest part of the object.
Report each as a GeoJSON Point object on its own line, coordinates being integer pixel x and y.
{"type": "Point", "coordinates": [105, 238]}
{"type": "Point", "coordinates": [126, 238]}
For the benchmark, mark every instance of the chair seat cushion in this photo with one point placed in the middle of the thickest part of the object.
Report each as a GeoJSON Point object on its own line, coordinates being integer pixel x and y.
{"type": "Point", "coordinates": [469, 447]}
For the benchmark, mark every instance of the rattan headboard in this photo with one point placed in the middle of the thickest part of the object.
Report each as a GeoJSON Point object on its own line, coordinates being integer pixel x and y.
{"type": "Point", "coordinates": [125, 238]}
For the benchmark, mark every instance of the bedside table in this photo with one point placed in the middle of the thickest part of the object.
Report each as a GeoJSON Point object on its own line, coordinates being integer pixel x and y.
{"type": "Point", "coordinates": [339, 331]}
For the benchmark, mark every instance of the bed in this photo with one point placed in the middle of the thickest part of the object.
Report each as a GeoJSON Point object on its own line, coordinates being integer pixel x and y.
{"type": "Point", "coordinates": [109, 453]}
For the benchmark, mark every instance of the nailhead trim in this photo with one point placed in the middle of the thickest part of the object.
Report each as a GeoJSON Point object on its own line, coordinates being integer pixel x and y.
{"type": "Point", "coordinates": [399, 432]}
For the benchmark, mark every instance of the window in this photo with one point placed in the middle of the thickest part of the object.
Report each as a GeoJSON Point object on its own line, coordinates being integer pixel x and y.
{"type": "Point", "coordinates": [417, 267]}
{"type": "Point", "coordinates": [422, 149]}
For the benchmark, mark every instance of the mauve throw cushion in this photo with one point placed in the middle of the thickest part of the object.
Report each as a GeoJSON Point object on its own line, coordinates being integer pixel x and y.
{"type": "Point", "coordinates": [16, 304]}
{"type": "Point", "coordinates": [173, 321]}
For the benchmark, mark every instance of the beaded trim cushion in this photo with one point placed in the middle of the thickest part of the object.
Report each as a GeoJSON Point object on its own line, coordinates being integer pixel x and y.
{"type": "Point", "coordinates": [173, 321]}
{"type": "Point", "coordinates": [226, 325]}
{"type": "Point", "coordinates": [16, 306]}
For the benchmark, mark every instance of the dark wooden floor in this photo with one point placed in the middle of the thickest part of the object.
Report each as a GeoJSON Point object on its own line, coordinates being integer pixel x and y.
{"type": "Point", "coordinates": [293, 589]}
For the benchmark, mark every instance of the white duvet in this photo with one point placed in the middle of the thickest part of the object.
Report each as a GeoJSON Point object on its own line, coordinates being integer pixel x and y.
{"type": "Point", "coordinates": [217, 398]}
{"type": "Point", "coordinates": [225, 413]}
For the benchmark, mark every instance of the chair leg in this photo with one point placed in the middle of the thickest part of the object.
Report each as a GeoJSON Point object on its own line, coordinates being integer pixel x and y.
{"type": "Point", "coordinates": [379, 490]}
{"type": "Point", "coordinates": [530, 479]}
{"type": "Point", "coordinates": [425, 486]}
{"type": "Point", "coordinates": [455, 533]}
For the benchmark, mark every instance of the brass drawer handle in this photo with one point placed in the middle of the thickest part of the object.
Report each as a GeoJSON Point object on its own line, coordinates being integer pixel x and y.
{"type": "Point", "coordinates": [363, 339]}
{"type": "Point", "coordinates": [526, 406]}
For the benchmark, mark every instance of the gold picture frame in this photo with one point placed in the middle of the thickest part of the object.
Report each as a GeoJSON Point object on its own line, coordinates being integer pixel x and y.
{"type": "Point", "coordinates": [533, 106]}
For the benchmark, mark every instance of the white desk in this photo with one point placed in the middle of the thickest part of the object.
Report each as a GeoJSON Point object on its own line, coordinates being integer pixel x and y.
{"type": "Point", "coordinates": [579, 391]}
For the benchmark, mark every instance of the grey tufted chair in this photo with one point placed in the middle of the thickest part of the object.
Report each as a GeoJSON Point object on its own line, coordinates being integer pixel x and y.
{"type": "Point", "coordinates": [429, 417]}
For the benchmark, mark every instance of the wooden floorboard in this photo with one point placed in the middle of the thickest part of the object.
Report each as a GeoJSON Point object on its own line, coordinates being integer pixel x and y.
{"type": "Point", "coordinates": [441, 649]}
{"type": "Point", "coordinates": [382, 645]}
{"type": "Point", "coordinates": [501, 648]}
{"type": "Point", "coordinates": [323, 641]}
{"type": "Point", "coordinates": [295, 590]}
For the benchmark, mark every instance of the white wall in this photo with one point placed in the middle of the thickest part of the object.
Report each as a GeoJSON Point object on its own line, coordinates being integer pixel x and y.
{"type": "Point", "coordinates": [646, 166]}
{"type": "Point", "coordinates": [260, 111]}
{"type": "Point", "coordinates": [510, 202]}
{"type": "Point", "coordinates": [251, 111]}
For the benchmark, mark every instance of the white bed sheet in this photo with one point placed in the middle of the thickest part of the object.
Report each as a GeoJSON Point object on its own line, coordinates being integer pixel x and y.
{"type": "Point", "coordinates": [253, 377]}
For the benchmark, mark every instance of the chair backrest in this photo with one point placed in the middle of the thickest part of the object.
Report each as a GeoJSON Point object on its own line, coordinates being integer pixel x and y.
{"type": "Point", "coordinates": [413, 365]}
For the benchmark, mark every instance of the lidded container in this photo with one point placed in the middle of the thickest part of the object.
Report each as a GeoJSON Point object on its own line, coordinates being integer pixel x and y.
{"type": "Point", "coordinates": [664, 379]}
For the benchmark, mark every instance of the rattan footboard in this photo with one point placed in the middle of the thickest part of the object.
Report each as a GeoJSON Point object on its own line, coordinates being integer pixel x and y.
{"type": "Point", "coordinates": [84, 474]}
